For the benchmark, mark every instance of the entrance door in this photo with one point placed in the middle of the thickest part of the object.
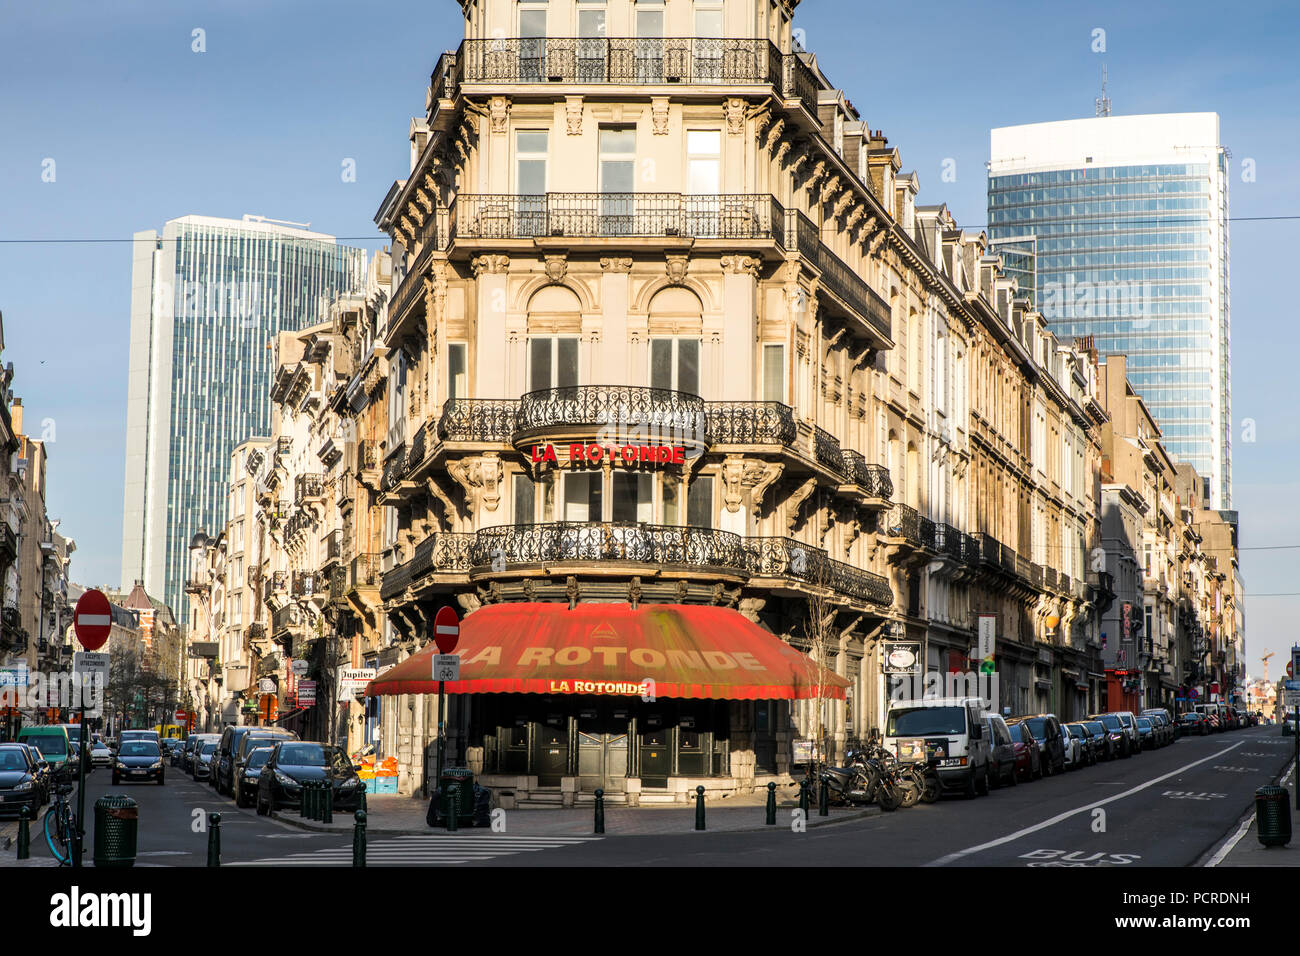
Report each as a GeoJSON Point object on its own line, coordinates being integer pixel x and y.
{"type": "Point", "coordinates": [551, 754]}
{"type": "Point", "coordinates": [656, 755]}
{"type": "Point", "coordinates": [603, 743]}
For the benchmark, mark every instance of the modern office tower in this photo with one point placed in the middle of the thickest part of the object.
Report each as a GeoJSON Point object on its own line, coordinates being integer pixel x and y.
{"type": "Point", "coordinates": [207, 298]}
{"type": "Point", "coordinates": [1129, 217]}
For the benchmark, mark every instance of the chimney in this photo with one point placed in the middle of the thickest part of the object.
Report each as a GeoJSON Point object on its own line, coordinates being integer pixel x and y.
{"type": "Point", "coordinates": [16, 416]}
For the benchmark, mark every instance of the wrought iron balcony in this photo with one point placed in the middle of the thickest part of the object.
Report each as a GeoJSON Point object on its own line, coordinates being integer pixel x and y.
{"type": "Point", "coordinates": [196, 586]}
{"type": "Point", "coordinates": [663, 545]}
{"type": "Point", "coordinates": [873, 479]}
{"type": "Point", "coordinates": [346, 487]}
{"type": "Point", "coordinates": [286, 620]}
{"type": "Point", "coordinates": [648, 413]}
{"type": "Point", "coordinates": [910, 525]}
{"type": "Point", "coordinates": [751, 423]}
{"type": "Point", "coordinates": [276, 582]}
{"type": "Point", "coordinates": [990, 549]}
{"type": "Point", "coordinates": [827, 451]}
{"type": "Point", "coordinates": [334, 545]}
{"type": "Point", "coordinates": [255, 631]}
{"type": "Point", "coordinates": [283, 446]}
{"type": "Point", "coordinates": [617, 215]}
{"type": "Point", "coordinates": [948, 541]}
{"type": "Point", "coordinates": [1049, 578]}
{"type": "Point", "coordinates": [394, 468]}
{"type": "Point", "coordinates": [305, 584]}
{"type": "Point", "coordinates": [8, 543]}
{"type": "Point", "coordinates": [788, 558]}
{"type": "Point", "coordinates": [837, 277]}
{"type": "Point", "coordinates": [365, 571]}
{"type": "Point", "coordinates": [489, 420]}
{"type": "Point", "coordinates": [309, 487]}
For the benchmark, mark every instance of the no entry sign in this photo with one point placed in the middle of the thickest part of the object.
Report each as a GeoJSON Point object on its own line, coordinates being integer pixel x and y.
{"type": "Point", "coordinates": [446, 629]}
{"type": "Point", "coordinates": [92, 619]}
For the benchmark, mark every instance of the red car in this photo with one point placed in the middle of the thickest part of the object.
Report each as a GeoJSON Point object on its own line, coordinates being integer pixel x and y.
{"type": "Point", "coordinates": [1029, 761]}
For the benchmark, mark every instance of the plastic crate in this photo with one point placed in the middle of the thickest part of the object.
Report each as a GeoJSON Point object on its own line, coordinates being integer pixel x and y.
{"type": "Point", "coordinates": [385, 785]}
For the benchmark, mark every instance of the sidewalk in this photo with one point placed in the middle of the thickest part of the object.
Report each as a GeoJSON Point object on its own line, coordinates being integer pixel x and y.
{"type": "Point", "coordinates": [392, 814]}
{"type": "Point", "coordinates": [1243, 846]}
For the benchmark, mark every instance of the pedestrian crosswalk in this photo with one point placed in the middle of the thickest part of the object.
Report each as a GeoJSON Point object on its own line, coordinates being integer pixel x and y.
{"type": "Point", "coordinates": [430, 850]}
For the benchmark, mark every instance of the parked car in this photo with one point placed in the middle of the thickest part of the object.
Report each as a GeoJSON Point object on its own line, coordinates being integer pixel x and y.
{"type": "Point", "coordinates": [1117, 734]}
{"type": "Point", "coordinates": [1105, 745]}
{"type": "Point", "coordinates": [953, 724]}
{"type": "Point", "coordinates": [223, 765]}
{"type": "Point", "coordinates": [52, 741]}
{"type": "Point", "coordinates": [293, 762]}
{"type": "Point", "coordinates": [1002, 751]}
{"type": "Point", "coordinates": [44, 775]}
{"type": "Point", "coordinates": [1147, 733]}
{"type": "Point", "coordinates": [250, 771]}
{"type": "Point", "coordinates": [20, 784]}
{"type": "Point", "coordinates": [1072, 748]}
{"type": "Point", "coordinates": [1029, 759]}
{"type": "Point", "coordinates": [1088, 743]}
{"type": "Point", "coordinates": [1288, 724]}
{"type": "Point", "coordinates": [258, 737]}
{"type": "Point", "coordinates": [1194, 723]}
{"type": "Point", "coordinates": [205, 753]}
{"type": "Point", "coordinates": [1129, 720]}
{"type": "Point", "coordinates": [140, 760]}
{"type": "Point", "coordinates": [100, 755]}
{"type": "Point", "coordinates": [1046, 730]}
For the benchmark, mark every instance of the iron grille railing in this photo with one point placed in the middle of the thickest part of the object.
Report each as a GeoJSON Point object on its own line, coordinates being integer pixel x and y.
{"type": "Point", "coordinates": [394, 468]}
{"type": "Point", "coordinates": [1007, 558]}
{"type": "Point", "coordinates": [419, 446]}
{"type": "Point", "coordinates": [365, 571]}
{"type": "Point", "coordinates": [629, 61]}
{"type": "Point", "coordinates": [334, 545]}
{"type": "Point", "coordinates": [307, 487]}
{"type": "Point", "coordinates": [505, 545]}
{"type": "Point", "coordinates": [289, 616]}
{"type": "Point", "coordinates": [948, 541]}
{"type": "Point", "coordinates": [283, 446]}
{"type": "Point", "coordinates": [826, 449]}
{"type": "Point", "coordinates": [903, 521]}
{"type": "Point", "coordinates": [873, 479]}
{"type": "Point", "coordinates": [442, 551]}
{"type": "Point", "coordinates": [1063, 582]}
{"type": "Point", "coordinates": [990, 549]}
{"type": "Point", "coordinates": [789, 558]}
{"type": "Point", "coordinates": [491, 420]}
{"type": "Point", "coordinates": [1049, 578]}
{"type": "Point", "coordinates": [663, 413]}
{"type": "Point", "coordinates": [620, 215]}
{"type": "Point", "coordinates": [276, 581]}
{"type": "Point", "coordinates": [751, 423]}
{"type": "Point", "coordinates": [305, 584]}
{"type": "Point", "coordinates": [799, 83]}
{"type": "Point", "coordinates": [255, 631]}
{"type": "Point", "coordinates": [837, 277]}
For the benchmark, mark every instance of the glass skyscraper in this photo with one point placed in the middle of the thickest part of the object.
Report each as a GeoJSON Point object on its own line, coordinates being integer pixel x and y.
{"type": "Point", "coordinates": [208, 298]}
{"type": "Point", "coordinates": [1128, 221]}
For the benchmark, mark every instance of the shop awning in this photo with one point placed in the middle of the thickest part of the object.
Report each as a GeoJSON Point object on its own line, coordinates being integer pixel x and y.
{"type": "Point", "coordinates": [657, 650]}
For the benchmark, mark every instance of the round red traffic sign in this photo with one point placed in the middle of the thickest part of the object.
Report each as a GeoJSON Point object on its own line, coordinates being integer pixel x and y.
{"type": "Point", "coordinates": [180, 716]}
{"type": "Point", "coordinates": [1289, 669]}
{"type": "Point", "coordinates": [92, 619]}
{"type": "Point", "coordinates": [446, 629]}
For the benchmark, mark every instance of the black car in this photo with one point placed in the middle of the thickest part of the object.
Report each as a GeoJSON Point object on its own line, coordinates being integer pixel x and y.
{"type": "Point", "coordinates": [1194, 723]}
{"type": "Point", "coordinates": [1106, 747]}
{"type": "Point", "coordinates": [1147, 733]}
{"type": "Point", "coordinates": [1046, 730]}
{"type": "Point", "coordinates": [44, 774]}
{"type": "Point", "coordinates": [223, 764]}
{"type": "Point", "coordinates": [1089, 743]}
{"type": "Point", "coordinates": [250, 771]}
{"type": "Point", "coordinates": [138, 760]}
{"type": "Point", "coordinates": [20, 784]}
{"type": "Point", "coordinates": [1117, 734]}
{"type": "Point", "coordinates": [294, 762]}
{"type": "Point", "coordinates": [205, 754]}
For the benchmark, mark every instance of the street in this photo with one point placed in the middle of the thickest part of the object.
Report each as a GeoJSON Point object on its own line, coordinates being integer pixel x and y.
{"type": "Point", "coordinates": [1168, 807]}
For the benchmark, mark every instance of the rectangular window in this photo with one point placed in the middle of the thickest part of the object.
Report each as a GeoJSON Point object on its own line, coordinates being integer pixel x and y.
{"type": "Point", "coordinates": [457, 382]}
{"type": "Point", "coordinates": [617, 178]}
{"type": "Point", "coordinates": [531, 152]}
{"type": "Point", "coordinates": [583, 498]}
{"type": "Point", "coordinates": [591, 41]}
{"type": "Point", "coordinates": [525, 496]}
{"type": "Point", "coordinates": [633, 494]}
{"type": "Point", "coordinates": [675, 364]}
{"type": "Point", "coordinates": [699, 503]}
{"type": "Point", "coordinates": [703, 162]}
{"type": "Point", "coordinates": [672, 500]}
{"type": "Point", "coordinates": [532, 43]}
{"type": "Point", "coordinates": [774, 373]}
{"type": "Point", "coordinates": [552, 362]}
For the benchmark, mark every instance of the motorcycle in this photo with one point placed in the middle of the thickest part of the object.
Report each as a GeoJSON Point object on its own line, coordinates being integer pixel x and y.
{"type": "Point", "coordinates": [866, 780]}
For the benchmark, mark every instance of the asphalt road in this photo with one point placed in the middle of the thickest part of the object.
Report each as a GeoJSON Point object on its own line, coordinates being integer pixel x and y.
{"type": "Point", "coordinates": [1168, 807]}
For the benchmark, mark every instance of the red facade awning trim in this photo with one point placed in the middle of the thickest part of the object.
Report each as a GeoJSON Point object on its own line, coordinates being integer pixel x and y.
{"type": "Point", "coordinates": [659, 650]}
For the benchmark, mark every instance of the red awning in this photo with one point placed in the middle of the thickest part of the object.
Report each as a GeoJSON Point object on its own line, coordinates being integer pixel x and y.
{"type": "Point", "coordinates": [658, 650]}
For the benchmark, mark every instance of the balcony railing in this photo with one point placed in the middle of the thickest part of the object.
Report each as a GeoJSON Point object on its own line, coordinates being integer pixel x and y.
{"type": "Point", "coordinates": [334, 545]}
{"type": "Point", "coordinates": [751, 423]}
{"type": "Point", "coordinates": [394, 469]}
{"type": "Point", "coordinates": [836, 275]}
{"type": "Point", "coordinates": [609, 541]}
{"type": "Point", "coordinates": [873, 479]}
{"type": "Point", "coordinates": [909, 524]}
{"type": "Point", "coordinates": [478, 420]}
{"type": "Point", "coordinates": [826, 449]}
{"type": "Point", "coordinates": [365, 571]}
{"type": "Point", "coordinates": [663, 413]}
{"type": "Point", "coordinates": [1049, 578]}
{"type": "Point", "coordinates": [283, 446]}
{"type": "Point", "coordinates": [442, 551]}
{"type": "Point", "coordinates": [305, 584]}
{"type": "Point", "coordinates": [788, 558]}
{"type": "Point", "coordinates": [618, 215]}
{"type": "Point", "coordinates": [948, 541]}
{"type": "Point", "coordinates": [308, 487]}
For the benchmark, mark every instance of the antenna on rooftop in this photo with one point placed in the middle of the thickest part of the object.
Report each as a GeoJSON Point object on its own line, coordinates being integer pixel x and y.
{"type": "Point", "coordinates": [1103, 101]}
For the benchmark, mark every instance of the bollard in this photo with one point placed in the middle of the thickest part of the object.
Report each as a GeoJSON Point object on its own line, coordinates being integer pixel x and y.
{"type": "Point", "coordinates": [771, 805]}
{"type": "Point", "coordinates": [317, 800]}
{"type": "Point", "coordinates": [600, 811]}
{"type": "Point", "coordinates": [359, 838]}
{"type": "Point", "coordinates": [304, 801]}
{"type": "Point", "coordinates": [824, 800]}
{"type": "Point", "coordinates": [214, 839]}
{"type": "Point", "coordinates": [453, 808]}
{"type": "Point", "coordinates": [24, 834]}
{"type": "Point", "coordinates": [327, 810]}
{"type": "Point", "coordinates": [803, 797]}
{"type": "Point", "coordinates": [699, 808]}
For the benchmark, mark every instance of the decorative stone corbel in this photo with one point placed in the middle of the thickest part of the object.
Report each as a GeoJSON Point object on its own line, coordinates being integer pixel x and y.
{"type": "Point", "coordinates": [774, 134]}
{"type": "Point", "coordinates": [573, 115]}
{"type": "Point", "coordinates": [750, 607]}
{"type": "Point", "coordinates": [734, 113]}
{"type": "Point", "coordinates": [481, 478]}
{"type": "Point", "coordinates": [608, 264]}
{"type": "Point", "coordinates": [499, 107]}
{"type": "Point", "coordinates": [762, 475]}
{"type": "Point", "coordinates": [659, 115]}
{"type": "Point", "coordinates": [634, 592]}
{"type": "Point", "coordinates": [571, 591]}
{"type": "Point", "coordinates": [741, 265]}
{"type": "Point", "coordinates": [557, 267]}
{"type": "Point", "coordinates": [448, 508]}
{"type": "Point", "coordinates": [681, 591]}
{"type": "Point", "coordinates": [732, 473]}
{"type": "Point", "coordinates": [677, 267]}
{"type": "Point", "coordinates": [876, 240]}
{"type": "Point", "coordinates": [490, 265]}
{"type": "Point", "coordinates": [795, 502]}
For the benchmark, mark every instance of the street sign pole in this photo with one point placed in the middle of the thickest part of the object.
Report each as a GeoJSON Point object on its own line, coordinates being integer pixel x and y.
{"type": "Point", "coordinates": [442, 716]}
{"type": "Point", "coordinates": [81, 784]}
{"type": "Point", "coordinates": [446, 634]}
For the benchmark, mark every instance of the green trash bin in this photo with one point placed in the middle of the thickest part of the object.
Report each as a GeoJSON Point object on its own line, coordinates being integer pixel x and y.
{"type": "Point", "coordinates": [117, 819]}
{"type": "Point", "coordinates": [460, 779]}
{"type": "Point", "coordinates": [1273, 815]}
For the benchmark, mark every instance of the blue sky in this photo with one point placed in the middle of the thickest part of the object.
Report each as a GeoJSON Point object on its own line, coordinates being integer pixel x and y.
{"type": "Point", "coordinates": [143, 129]}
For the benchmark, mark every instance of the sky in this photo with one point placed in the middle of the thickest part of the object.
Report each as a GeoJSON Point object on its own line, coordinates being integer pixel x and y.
{"type": "Point", "coordinates": [117, 117]}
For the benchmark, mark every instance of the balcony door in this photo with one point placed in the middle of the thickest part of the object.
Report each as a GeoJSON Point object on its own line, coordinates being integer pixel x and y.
{"type": "Point", "coordinates": [649, 41]}
{"type": "Point", "coordinates": [552, 362]}
{"type": "Point", "coordinates": [675, 364]}
{"type": "Point", "coordinates": [617, 180]}
{"type": "Point", "coordinates": [532, 40]}
{"type": "Point", "coordinates": [708, 41]}
{"type": "Point", "coordinates": [531, 164]}
{"type": "Point", "coordinates": [703, 181]}
{"type": "Point", "coordinates": [591, 41]}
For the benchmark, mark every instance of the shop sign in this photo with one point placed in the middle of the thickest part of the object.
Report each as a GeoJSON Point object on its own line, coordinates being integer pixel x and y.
{"type": "Point", "coordinates": [902, 657]}
{"type": "Point", "coordinates": [579, 453]}
{"type": "Point", "coordinates": [307, 692]}
{"type": "Point", "coordinates": [14, 675]}
{"type": "Point", "coordinates": [353, 680]}
{"type": "Point", "coordinates": [803, 751]}
{"type": "Point", "coordinates": [266, 686]}
{"type": "Point", "coordinates": [599, 687]}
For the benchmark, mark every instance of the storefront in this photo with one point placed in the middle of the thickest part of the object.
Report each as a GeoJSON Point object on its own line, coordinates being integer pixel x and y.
{"type": "Point", "coordinates": [644, 703]}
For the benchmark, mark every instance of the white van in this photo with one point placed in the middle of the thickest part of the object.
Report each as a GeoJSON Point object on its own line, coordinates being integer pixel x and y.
{"type": "Point", "coordinates": [954, 732]}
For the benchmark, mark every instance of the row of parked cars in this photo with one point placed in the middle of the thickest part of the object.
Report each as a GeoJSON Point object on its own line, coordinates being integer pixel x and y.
{"type": "Point", "coordinates": [266, 767]}
{"type": "Point", "coordinates": [975, 750]}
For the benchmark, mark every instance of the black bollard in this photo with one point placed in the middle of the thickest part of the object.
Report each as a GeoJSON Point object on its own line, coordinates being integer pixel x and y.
{"type": "Point", "coordinates": [304, 801]}
{"type": "Point", "coordinates": [699, 808]}
{"type": "Point", "coordinates": [359, 838]}
{"type": "Point", "coordinates": [327, 811]}
{"type": "Point", "coordinates": [600, 811]}
{"type": "Point", "coordinates": [771, 805]}
{"type": "Point", "coordinates": [24, 834]}
{"type": "Point", "coordinates": [317, 799]}
{"type": "Point", "coordinates": [214, 839]}
{"type": "Point", "coordinates": [824, 800]}
{"type": "Point", "coordinates": [453, 807]}
{"type": "Point", "coordinates": [803, 797]}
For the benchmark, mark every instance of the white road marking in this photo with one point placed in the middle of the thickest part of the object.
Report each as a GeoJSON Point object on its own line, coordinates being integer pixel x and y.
{"type": "Point", "coordinates": [429, 850]}
{"type": "Point", "coordinates": [1246, 821]}
{"type": "Point", "coordinates": [1012, 837]}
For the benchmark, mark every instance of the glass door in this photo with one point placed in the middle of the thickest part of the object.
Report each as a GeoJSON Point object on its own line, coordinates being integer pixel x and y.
{"type": "Point", "coordinates": [591, 41]}
{"type": "Point", "coordinates": [649, 41]}
{"type": "Point", "coordinates": [675, 364]}
{"type": "Point", "coordinates": [532, 40]}
{"type": "Point", "coordinates": [617, 181]}
{"type": "Point", "coordinates": [703, 181]}
{"type": "Point", "coordinates": [531, 159]}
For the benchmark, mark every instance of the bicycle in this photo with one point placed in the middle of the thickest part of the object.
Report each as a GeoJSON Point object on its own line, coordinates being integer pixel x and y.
{"type": "Point", "coordinates": [59, 826]}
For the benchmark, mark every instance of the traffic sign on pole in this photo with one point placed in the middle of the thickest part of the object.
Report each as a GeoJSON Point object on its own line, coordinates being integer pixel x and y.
{"type": "Point", "coordinates": [446, 667]}
{"type": "Point", "coordinates": [446, 629]}
{"type": "Point", "coordinates": [92, 619]}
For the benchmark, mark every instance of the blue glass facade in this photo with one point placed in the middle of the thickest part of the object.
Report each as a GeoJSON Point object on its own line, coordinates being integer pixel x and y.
{"type": "Point", "coordinates": [1136, 257]}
